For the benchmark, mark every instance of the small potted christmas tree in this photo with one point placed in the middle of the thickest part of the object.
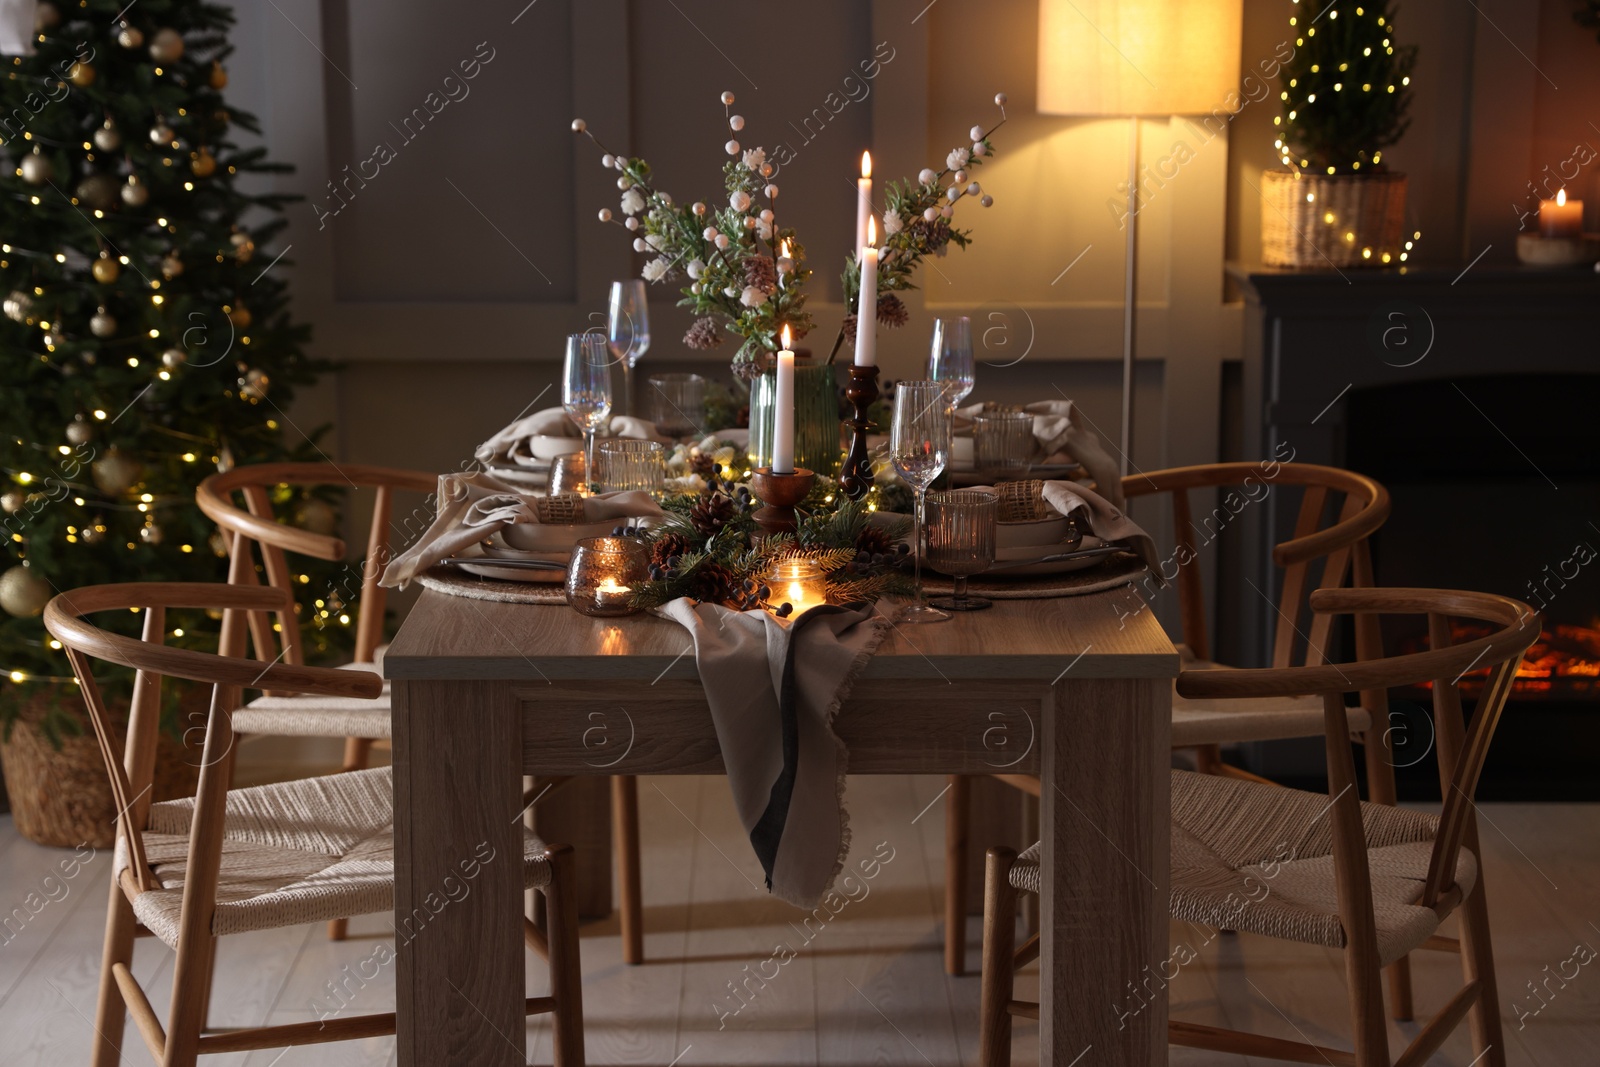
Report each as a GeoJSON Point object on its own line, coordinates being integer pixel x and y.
{"type": "Point", "coordinates": [1345, 95]}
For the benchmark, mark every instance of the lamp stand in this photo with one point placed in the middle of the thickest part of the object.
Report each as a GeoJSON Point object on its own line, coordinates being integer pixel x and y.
{"type": "Point", "coordinates": [1130, 295]}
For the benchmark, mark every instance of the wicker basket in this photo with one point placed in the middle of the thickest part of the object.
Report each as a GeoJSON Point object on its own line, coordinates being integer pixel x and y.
{"type": "Point", "coordinates": [63, 797]}
{"type": "Point", "coordinates": [1311, 220]}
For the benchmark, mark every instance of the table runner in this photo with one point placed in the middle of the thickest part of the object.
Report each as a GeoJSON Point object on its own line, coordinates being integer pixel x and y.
{"type": "Point", "coordinates": [774, 687]}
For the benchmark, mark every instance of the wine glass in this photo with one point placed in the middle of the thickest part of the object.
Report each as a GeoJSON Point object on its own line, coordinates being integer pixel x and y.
{"type": "Point", "coordinates": [961, 540]}
{"type": "Point", "coordinates": [586, 389]}
{"type": "Point", "coordinates": [919, 446]}
{"type": "Point", "coordinates": [628, 332]}
{"type": "Point", "coordinates": [950, 360]}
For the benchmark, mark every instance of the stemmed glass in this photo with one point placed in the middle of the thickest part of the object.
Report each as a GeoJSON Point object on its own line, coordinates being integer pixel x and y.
{"type": "Point", "coordinates": [628, 331]}
{"type": "Point", "coordinates": [919, 446]}
{"type": "Point", "coordinates": [950, 359]}
{"type": "Point", "coordinates": [961, 540]}
{"type": "Point", "coordinates": [586, 390]}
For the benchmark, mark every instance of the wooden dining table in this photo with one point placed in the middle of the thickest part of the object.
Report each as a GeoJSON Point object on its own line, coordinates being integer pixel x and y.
{"type": "Point", "coordinates": [1076, 690]}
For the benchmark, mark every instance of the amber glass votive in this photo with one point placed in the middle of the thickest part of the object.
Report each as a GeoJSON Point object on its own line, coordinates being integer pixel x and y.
{"type": "Point", "coordinates": [798, 582]}
{"type": "Point", "coordinates": [605, 573]}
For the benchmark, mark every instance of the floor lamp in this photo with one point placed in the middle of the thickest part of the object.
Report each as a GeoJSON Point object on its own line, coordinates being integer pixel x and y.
{"type": "Point", "coordinates": [1132, 58]}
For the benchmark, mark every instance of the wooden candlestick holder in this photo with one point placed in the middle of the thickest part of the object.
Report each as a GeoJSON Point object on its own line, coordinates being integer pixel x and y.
{"type": "Point", "coordinates": [780, 493]}
{"type": "Point", "coordinates": [855, 478]}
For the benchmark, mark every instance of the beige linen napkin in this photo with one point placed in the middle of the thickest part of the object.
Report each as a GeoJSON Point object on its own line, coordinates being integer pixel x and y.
{"type": "Point", "coordinates": [517, 444]}
{"type": "Point", "coordinates": [774, 687]}
{"type": "Point", "coordinates": [1057, 428]}
{"type": "Point", "coordinates": [473, 506]}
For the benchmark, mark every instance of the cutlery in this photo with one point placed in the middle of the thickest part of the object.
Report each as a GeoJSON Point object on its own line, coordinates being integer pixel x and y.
{"type": "Point", "coordinates": [1060, 557]}
{"type": "Point", "coordinates": [487, 561]}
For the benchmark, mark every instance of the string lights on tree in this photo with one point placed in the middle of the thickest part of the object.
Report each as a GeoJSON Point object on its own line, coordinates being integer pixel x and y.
{"type": "Point", "coordinates": [1346, 91]}
{"type": "Point", "coordinates": [143, 345]}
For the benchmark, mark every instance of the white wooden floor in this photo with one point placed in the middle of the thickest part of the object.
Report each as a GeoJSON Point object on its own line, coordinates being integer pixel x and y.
{"type": "Point", "coordinates": [867, 989]}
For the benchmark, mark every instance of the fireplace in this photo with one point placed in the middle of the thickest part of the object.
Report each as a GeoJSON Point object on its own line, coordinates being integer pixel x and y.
{"type": "Point", "coordinates": [1472, 395]}
{"type": "Point", "coordinates": [1496, 487]}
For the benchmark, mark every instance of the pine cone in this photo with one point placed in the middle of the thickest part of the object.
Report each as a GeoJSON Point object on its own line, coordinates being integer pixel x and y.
{"type": "Point", "coordinates": [666, 546]}
{"type": "Point", "coordinates": [703, 465]}
{"type": "Point", "coordinates": [712, 582]}
{"type": "Point", "coordinates": [711, 512]}
{"type": "Point", "coordinates": [874, 540]}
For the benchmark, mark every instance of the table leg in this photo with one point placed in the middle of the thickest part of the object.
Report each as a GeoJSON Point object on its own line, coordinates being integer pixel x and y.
{"type": "Point", "coordinates": [458, 874]}
{"type": "Point", "coordinates": [1104, 821]}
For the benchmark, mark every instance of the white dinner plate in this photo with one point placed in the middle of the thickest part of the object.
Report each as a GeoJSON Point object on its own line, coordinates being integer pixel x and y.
{"type": "Point", "coordinates": [487, 569]}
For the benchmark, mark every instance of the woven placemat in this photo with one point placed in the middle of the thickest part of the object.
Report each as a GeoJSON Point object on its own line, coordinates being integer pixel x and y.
{"type": "Point", "coordinates": [453, 582]}
{"type": "Point", "coordinates": [1112, 573]}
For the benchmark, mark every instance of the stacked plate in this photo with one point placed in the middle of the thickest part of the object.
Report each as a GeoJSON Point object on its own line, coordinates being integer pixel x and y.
{"type": "Point", "coordinates": [509, 553]}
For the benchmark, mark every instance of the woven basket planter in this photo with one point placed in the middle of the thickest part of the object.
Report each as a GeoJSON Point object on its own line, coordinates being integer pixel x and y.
{"type": "Point", "coordinates": [62, 797]}
{"type": "Point", "coordinates": [1345, 220]}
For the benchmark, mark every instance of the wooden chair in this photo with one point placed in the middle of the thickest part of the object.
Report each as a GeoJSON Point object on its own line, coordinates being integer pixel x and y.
{"type": "Point", "coordinates": [1374, 880]}
{"type": "Point", "coordinates": [1338, 511]}
{"type": "Point", "coordinates": [359, 722]}
{"type": "Point", "coordinates": [229, 861]}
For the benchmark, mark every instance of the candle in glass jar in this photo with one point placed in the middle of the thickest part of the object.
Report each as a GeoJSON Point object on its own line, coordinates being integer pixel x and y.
{"type": "Point", "coordinates": [867, 308]}
{"type": "Point", "coordinates": [783, 412]}
{"type": "Point", "coordinates": [1561, 217]}
{"type": "Point", "coordinates": [612, 594]}
{"type": "Point", "coordinates": [863, 199]}
{"type": "Point", "coordinates": [799, 583]}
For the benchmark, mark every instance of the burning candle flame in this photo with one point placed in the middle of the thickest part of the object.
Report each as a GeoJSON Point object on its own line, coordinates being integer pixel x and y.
{"type": "Point", "coordinates": [872, 231]}
{"type": "Point", "coordinates": [1561, 198]}
{"type": "Point", "coordinates": [786, 341]}
{"type": "Point", "coordinates": [866, 164]}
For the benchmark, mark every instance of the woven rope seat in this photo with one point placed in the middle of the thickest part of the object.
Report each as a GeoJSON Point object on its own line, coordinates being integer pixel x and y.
{"type": "Point", "coordinates": [296, 852]}
{"type": "Point", "coordinates": [319, 716]}
{"type": "Point", "coordinates": [1259, 858]}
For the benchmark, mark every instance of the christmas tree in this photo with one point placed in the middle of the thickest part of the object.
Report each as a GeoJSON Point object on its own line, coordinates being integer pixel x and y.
{"type": "Point", "coordinates": [1346, 90]}
{"type": "Point", "coordinates": [146, 340]}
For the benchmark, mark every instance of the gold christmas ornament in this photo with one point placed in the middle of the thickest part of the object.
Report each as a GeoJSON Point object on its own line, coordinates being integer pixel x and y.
{"type": "Point", "coordinates": [36, 168]}
{"type": "Point", "coordinates": [22, 592]}
{"type": "Point", "coordinates": [151, 534]}
{"type": "Point", "coordinates": [129, 36]}
{"type": "Point", "coordinates": [319, 517]}
{"type": "Point", "coordinates": [254, 385]}
{"type": "Point", "coordinates": [93, 534]}
{"type": "Point", "coordinates": [46, 17]}
{"type": "Point", "coordinates": [79, 432]}
{"type": "Point", "coordinates": [240, 317]}
{"type": "Point", "coordinates": [219, 76]}
{"type": "Point", "coordinates": [243, 247]}
{"type": "Point", "coordinates": [103, 324]}
{"type": "Point", "coordinates": [108, 138]}
{"type": "Point", "coordinates": [166, 46]}
{"type": "Point", "coordinates": [161, 134]}
{"type": "Point", "coordinates": [136, 193]}
{"type": "Point", "coordinates": [12, 502]}
{"type": "Point", "coordinates": [105, 269]}
{"type": "Point", "coordinates": [53, 338]}
{"type": "Point", "coordinates": [82, 75]}
{"type": "Point", "coordinates": [204, 164]}
{"type": "Point", "coordinates": [98, 191]}
{"type": "Point", "coordinates": [171, 266]}
{"type": "Point", "coordinates": [115, 472]}
{"type": "Point", "coordinates": [173, 358]}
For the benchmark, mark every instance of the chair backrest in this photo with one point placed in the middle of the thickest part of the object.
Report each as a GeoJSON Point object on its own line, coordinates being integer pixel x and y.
{"type": "Point", "coordinates": [1461, 750]}
{"type": "Point", "coordinates": [131, 775]}
{"type": "Point", "coordinates": [1357, 504]}
{"type": "Point", "coordinates": [256, 524]}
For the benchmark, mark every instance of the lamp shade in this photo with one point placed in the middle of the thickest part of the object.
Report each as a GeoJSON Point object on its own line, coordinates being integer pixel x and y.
{"type": "Point", "coordinates": [1137, 57]}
